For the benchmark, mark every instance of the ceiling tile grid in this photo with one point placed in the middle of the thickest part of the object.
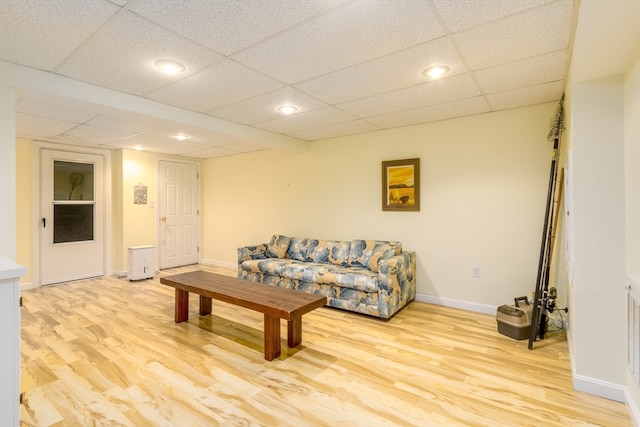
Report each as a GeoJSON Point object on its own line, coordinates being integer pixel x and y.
{"type": "Point", "coordinates": [348, 66]}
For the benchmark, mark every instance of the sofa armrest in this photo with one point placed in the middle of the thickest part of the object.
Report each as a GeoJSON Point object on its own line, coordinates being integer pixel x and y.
{"type": "Point", "coordinates": [252, 252]}
{"type": "Point", "coordinates": [397, 282]}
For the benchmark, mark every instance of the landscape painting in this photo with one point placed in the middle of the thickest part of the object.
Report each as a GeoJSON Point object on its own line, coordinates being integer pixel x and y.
{"type": "Point", "coordinates": [401, 185]}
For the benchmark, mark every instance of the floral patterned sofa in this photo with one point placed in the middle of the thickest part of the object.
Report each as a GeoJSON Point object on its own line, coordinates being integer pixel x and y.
{"type": "Point", "coordinates": [365, 276]}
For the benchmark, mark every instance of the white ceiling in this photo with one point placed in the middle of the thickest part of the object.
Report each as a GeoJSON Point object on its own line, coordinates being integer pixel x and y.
{"type": "Point", "coordinates": [350, 66]}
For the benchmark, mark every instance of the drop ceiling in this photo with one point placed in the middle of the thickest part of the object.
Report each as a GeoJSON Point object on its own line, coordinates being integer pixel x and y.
{"type": "Point", "coordinates": [84, 70]}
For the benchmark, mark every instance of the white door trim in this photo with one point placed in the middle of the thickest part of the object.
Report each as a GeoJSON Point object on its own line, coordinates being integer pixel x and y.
{"type": "Point", "coordinates": [199, 206]}
{"type": "Point", "coordinates": [36, 199]}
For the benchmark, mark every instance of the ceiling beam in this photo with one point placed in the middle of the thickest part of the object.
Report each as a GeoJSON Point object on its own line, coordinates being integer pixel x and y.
{"type": "Point", "coordinates": [20, 77]}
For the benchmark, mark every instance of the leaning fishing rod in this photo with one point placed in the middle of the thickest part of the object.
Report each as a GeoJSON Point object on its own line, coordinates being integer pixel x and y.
{"type": "Point", "coordinates": [541, 303]}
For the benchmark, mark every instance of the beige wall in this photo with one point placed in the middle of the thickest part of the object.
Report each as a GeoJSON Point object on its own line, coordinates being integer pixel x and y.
{"type": "Point", "coordinates": [601, 115]}
{"type": "Point", "coordinates": [139, 222]}
{"type": "Point", "coordinates": [131, 224]}
{"type": "Point", "coordinates": [632, 199]}
{"type": "Point", "coordinates": [24, 201]}
{"type": "Point", "coordinates": [135, 224]}
{"type": "Point", "coordinates": [483, 192]}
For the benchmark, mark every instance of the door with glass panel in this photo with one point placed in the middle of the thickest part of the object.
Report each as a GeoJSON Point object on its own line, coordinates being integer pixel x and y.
{"type": "Point", "coordinates": [72, 229]}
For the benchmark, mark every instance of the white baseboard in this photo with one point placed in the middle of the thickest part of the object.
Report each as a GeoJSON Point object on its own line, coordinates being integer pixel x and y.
{"type": "Point", "coordinates": [118, 273]}
{"type": "Point", "coordinates": [28, 285]}
{"type": "Point", "coordinates": [599, 388]}
{"type": "Point", "coordinates": [216, 263]}
{"type": "Point", "coordinates": [595, 386]}
{"type": "Point", "coordinates": [634, 411]}
{"type": "Point", "coordinates": [462, 305]}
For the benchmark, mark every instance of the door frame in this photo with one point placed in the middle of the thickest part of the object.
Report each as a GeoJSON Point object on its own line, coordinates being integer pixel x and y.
{"type": "Point", "coordinates": [198, 242]}
{"type": "Point", "coordinates": [36, 197]}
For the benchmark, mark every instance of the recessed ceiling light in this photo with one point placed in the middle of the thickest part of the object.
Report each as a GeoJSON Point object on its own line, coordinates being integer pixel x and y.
{"type": "Point", "coordinates": [138, 148]}
{"type": "Point", "coordinates": [169, 67]}
{"type": "Point", "coordinates": [436, 71]}
{"type": "Point", "coordinates": [181, 137]}
{"type": "Point", "coordinates": [288, 109]}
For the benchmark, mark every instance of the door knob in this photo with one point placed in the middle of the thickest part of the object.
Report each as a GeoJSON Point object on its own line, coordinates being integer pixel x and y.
{"type": "Point", "coordinates": [163, 219]}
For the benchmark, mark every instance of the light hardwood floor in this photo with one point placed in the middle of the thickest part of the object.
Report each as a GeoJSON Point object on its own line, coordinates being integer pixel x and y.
{"type": "Point", "coordinates": [107, 352]}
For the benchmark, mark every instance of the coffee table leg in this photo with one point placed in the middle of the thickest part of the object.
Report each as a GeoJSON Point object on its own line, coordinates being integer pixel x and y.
{"type": "Point", "coordinates": [182, 306]}
{"type": "Point", "coordinates": [271, 337]}
{"type": "Point", "coordinates": [205, 305]}
{"type": "Point", "coordinates": [294, 331]}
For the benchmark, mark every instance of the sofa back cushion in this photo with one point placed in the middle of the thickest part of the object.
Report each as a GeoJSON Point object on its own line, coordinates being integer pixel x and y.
{"type": "Point", "coordinates": [368, 253]}
{"type": "Point", "coordinates": [298, 248]}
{"type": "Point", "coordinates": [328, 251]}
{"type": "Point", "coordinates": [277, 246]}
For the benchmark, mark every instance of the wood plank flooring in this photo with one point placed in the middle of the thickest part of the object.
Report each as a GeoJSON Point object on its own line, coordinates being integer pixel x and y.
{"type": "Point", "coordinates": [106, 352]}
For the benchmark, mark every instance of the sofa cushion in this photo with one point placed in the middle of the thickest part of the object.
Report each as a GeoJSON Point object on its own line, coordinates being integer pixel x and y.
{"type": "Point", "coordinates": [273, 266]}
{"type": "Point", "coordinates": [299, 248]}
{"type": "Point", "coordinates": [277, 247]}
{"type": "Point", "coordinates": [328, 251]}
{"type": "Point", "coordinates": [330, 274]}
{"type": "Point", "coordinates": [368, 253]}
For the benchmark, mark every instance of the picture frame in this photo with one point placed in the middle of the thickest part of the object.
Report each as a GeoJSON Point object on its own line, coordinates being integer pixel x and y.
{"type": "Point", "coordinates": [401, 185]}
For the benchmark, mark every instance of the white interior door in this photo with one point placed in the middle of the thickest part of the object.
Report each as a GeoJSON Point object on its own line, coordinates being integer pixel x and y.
{"type": "Point", "coordinates": [178, 213]}
{"type": "Point", "coordinates": [72, 227]}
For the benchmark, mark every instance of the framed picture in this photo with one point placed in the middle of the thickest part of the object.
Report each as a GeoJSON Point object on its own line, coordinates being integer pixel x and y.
{"type": "Point", "coordinates": [401, 185]}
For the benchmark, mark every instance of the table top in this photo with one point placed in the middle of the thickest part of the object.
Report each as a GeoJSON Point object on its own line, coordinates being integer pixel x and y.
{"type": "Point", "coordinates": [267, 299]}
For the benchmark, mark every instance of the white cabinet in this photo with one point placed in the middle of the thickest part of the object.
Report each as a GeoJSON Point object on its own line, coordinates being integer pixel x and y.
{"type": "Point", "coordinates": [141, 262]}
{"type": "Point", "coordinates": [10, 273]}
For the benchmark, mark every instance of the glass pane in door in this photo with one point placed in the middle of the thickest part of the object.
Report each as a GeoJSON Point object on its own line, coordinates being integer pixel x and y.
{"type": "Point", "coordinates": [72, 223]}
{"type": "Point", "coordinates": [73, 206]}
{"type": "Point", "coordinates": [73, 181]}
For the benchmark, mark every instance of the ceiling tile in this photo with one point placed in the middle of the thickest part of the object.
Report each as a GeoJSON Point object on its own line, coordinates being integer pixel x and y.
{"type": "Point", "coordinates": [219, 85]}
{"type": "Point", "coordinates": [335, 130]}
{"type": "Point", "coordinates": [123, 55]}
{"type": "Point", "coordinates": [462, 14]}
{"type": "Point", "coordinates": [461, 108]}
{"type": "Point", "coordinates": [265, 107]}
{"type": "Point", "coordinates": [38, 104]}
{"type": "Point", "coordinates": [96, 134]}
{"type": "Point", "coordinates": [310, 119]}
{"type": "Point", "coordinates": [42, 33]}
{"type": "Point", "coordinates": [210, 153]}
{"type": "Point", "coordinates": [361, 31]}
{"type": "Point", "coordinates": [434, 92]}
{"type": "Point", "coordinates": [542, 30]}
{"type": "Point", "coordinates": [28, 125]}
{"type": "Point", "coordinates": [528, 72]}
{"type": "Point", "coordinates": [389, 73]}
{"type": "Point", "coordinates": [538, 94]}
{"type": "Point", "coordinates": [181, 148]}
{"type": "Point", "coordinates": [238, 23]}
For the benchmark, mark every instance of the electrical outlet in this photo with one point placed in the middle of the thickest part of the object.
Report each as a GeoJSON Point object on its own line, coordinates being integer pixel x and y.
{"type": "Point", "coordinates": [475, 272]}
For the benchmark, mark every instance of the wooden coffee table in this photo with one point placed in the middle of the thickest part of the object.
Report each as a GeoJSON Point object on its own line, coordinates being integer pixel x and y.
{"type": "Point", "coordinates": [275, 303]}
